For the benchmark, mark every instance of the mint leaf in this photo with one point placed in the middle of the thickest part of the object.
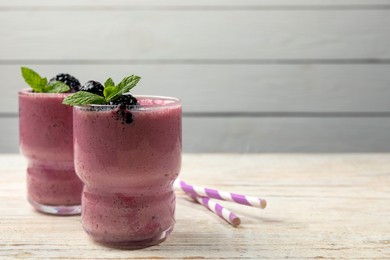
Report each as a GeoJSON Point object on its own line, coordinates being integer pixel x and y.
{"type": "Point", "coordinates": [109, 90]}
{"type": "Point", "coordinates": [44, 81]}
{"type": "Point", "coordinates": [128, 83]}
{"type": "Point", "coordinates": [57, 87]}
{"type": "Point", "coordinates": [33, 79]}
{"type": "Point", "coordinates": [109, 82]}
{"type": "Point", "coordinates": [83, 98]}
{"type": "Point", "coordinates": [124, 86]}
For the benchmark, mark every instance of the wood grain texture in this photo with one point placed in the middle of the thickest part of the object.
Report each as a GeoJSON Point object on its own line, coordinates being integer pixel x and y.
{"type": "Point", "coordinates": [311, 75]}
{"type": "Point", "coordinates": [319, 206]}
{"type": "Point", "coordinates": [236, 88]}
{"type": "Point", "coordinates": [157, 35]}
{"type": "Point", "coordinates": [263, 134]}
{"type": "Point", "coordinates": [286, 135]}
{"type": "Point", "coordinates": [234, 3]}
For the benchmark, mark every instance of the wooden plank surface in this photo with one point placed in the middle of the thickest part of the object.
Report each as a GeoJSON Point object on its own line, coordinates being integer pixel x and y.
{"type": "Point", "coordinates": [157, 36]}
{"type": "Point", "coordinates": [192, 3]}
{"type": "Point", "coordinates": [319, 206]}
{"type": "Point", "coordinates": [296, 63]}
{"type": "Point", "coordinates": [265, 134]}
{"type": "Point", "coordinates": [286, 135]}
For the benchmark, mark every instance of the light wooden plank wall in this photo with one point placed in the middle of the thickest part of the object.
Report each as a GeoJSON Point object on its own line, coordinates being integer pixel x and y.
{"type": "Point", "coordinates": [254, 75]}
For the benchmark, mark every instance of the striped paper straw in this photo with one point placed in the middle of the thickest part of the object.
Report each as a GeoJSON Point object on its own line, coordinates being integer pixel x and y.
{"type": "Point", "coordinates": [218, 209]}
{"type": "Point", "coordinates": [220, 195]}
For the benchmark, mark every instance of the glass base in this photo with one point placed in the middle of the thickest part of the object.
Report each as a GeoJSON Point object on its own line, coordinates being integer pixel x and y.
{"type": "Point", "coordinates": [61, 210]}
{"type": "Point", "coordinates": [137, 244]}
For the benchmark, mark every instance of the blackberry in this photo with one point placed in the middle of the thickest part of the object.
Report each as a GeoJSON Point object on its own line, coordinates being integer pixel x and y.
{"type": "Point", "coordinates": [123, 114]}
{"type": "Point", "coordinates": [69, 80]}
{"type": "Point", "coordinates": [125, 100]}
{"type": "Point", "coordinates": [93, 87]}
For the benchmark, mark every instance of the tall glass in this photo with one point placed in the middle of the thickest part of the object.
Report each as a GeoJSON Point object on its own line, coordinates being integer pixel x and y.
{"type": "Point", "coordinates": [46, 140]}
{"type": "Point", "coordinates": [128, 158]}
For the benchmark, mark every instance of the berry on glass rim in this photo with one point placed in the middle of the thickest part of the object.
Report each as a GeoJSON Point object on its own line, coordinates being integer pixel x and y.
{"type": "Point", "coordinates": [69, 80]}
{"type": "Point", "coordinates": [93, 87]}
{"type": "Point", "coordinates": [94, 93]}
{"type": "Point", "coordinates": [125, 100]}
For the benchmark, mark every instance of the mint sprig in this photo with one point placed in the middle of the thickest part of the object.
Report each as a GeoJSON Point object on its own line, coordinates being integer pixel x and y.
{"type": "Point", "coordinates": [124, 86]}
{"type": "Point", "coordinates": [83, 98]}
{"type": "Point", "coordinates": [110, 92]}
{"type": "Point", "coordinates": [109, 82]}
{"type": "Point", "coordinates": [33, 79]}
{"type": "Point", "coordinates": [56, 87]}
{"type": "Point", "coordinates": [40, 85]}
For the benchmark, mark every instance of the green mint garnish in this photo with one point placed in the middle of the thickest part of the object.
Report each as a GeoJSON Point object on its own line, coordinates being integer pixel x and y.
{"type": "Point", "coordinates": [109, 82]}
{"type": "Point", "coordinates": [56, 87]}
{"type": "Point", "coordinates": [33, 79]}
{"type": "Point", "coordinates": [83, 98]}
{"type": "Point", "coordinates": [124, 86]}
{"type": "Point", "coordinates": [110, 92]}
{"type": "Point", "coordinates": [39, 84]}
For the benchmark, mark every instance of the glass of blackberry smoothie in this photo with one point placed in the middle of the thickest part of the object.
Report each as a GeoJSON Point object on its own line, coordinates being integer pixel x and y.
{"type": "Point", "coordinates": [128, 154]}
{"type": "Point", "coordinates": [46, 140]}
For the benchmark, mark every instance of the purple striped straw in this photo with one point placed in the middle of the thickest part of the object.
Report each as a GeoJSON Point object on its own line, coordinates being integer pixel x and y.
{"type": "Point", "coordinates": [220, 195]}
{"type": "Point", "coordinates": [218, 209]}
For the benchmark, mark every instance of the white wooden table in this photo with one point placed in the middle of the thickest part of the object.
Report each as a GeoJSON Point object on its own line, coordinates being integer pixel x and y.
{"type": "Point", "coordinates": [319, 206]}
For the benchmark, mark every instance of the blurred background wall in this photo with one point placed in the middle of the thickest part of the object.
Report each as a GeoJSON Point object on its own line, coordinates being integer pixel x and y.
{"type": "Point", "coordinates": [254, 75]}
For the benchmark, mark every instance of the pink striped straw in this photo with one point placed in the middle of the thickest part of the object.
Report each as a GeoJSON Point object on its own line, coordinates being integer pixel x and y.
{"type": "Point", "coordinates": [220, 195]}
{"type": "Point", "coordinates": [218, 209]}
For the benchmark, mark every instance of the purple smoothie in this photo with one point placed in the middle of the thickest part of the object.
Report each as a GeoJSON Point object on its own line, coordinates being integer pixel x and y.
{"type": "Point", "coordinates": [128, 160]}
{"type": "Point", "coordinates": [46, 140]}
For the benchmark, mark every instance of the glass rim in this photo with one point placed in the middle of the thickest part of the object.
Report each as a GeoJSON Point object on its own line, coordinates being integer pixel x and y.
{"type": "Point", "coordinates": [97, 107]}
{"type": "Point", "coordinates": [28, 92]}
